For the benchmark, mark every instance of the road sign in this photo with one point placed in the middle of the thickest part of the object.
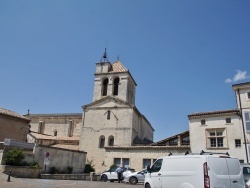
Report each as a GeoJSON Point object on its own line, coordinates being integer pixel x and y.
{"type": "Point", "coordinates": [46, 161]}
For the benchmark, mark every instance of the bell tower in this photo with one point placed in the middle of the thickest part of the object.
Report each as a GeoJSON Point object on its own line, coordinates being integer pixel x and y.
{"type": "Point", "coordinates": [113, 80]}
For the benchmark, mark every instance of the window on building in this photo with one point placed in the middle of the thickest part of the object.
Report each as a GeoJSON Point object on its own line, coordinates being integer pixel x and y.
{"type": "Point", "coordinates": [173, 142]}
{"type": "Point", "coordinates": [55, 132]}
{"type": "Point", "coordinates": [116, 86]}
{"type": "Point", "coordinates": [203, 122]}
{"type": "Point", "coordinates": [108, 114]}
{"type": "Point", "coordinates": [185, 140]}
{"type": "Point", "coordinates": [117, 161]}
{"type": "Point", "coordinates": [216, 138]}
{"type": "Point", "coordinates": [105, 87]}
{"type": "Point", "coordinates": [111, 140]}
{"type": "Point", "coordinates": [248, 95]}
{"type": "Point", "coordinates": [146, 162]}
{"type": "Point", "coordinates": [247, 121]}
{"type": "Point", "coordinates": [228, 120]}
{"type": "Point", "coordinates": [237, 143]}
{"type": "Point", "coordinates": [102, 142]}
{"type": "Point", "coordinates": [125, 162]}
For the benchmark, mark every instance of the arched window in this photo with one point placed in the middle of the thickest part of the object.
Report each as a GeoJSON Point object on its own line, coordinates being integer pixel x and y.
{"type": "Point", "coordinates": [116, 85]}
{"type": "Point", "coordinates": [102, 141]}
{"type": "Point", "coordinates": [108, 114]}
{"type": "Point", "coordinates": [111, 140]}
{"type": "Point", "coordinates": [55, 132]}
{"type": "Point", "coordinates": [105, 87]}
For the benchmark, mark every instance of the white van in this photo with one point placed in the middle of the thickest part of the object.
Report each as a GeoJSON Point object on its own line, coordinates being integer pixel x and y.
{"type": "Point", "coordinates": [195, 171]}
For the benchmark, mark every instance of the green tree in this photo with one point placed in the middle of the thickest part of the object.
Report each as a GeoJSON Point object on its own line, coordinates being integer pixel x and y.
{"type": "Point", "coordinates": [14, 156]}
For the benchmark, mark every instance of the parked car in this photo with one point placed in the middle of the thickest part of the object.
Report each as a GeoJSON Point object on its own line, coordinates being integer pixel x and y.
{"type": "Point", "coordinates": [204, 170]}
{"type": "Point", "coordinates": [246, 173]}
{"type": "Point", "coordinates": [135, 177]}
{"type": "Point", "coordinates": [111, 174]}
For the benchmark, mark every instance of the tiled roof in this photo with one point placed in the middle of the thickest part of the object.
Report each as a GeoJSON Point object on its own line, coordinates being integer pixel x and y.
{"type": "Point", "coordinates": [65, 146]}
{"type": "Point", "coordinates": [169, 138]}
{"type": "Point", "coordinates": [12, 114]}
{"type": "Point", "coordinates": [118, 67]}
{"type": "Point", "coordinates": [234, 111]}
{"type": "Point", "coordinates": [49, 137]}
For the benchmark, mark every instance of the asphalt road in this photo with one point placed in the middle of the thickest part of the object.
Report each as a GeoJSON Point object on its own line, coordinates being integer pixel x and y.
{"type": "Point", "coordinates": [44, 183]}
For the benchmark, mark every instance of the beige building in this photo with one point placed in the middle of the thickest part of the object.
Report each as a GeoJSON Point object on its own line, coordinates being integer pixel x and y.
{"type": "Point", "coordinates": [13, 125]}
{"type": "Point", "coordinates": [225, 130]}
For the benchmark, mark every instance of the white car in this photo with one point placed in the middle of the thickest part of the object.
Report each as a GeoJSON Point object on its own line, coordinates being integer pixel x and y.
{"type": "Point", "coordinates": [111, 174]}
{"type": "Point", "coordinates": [135, 177]}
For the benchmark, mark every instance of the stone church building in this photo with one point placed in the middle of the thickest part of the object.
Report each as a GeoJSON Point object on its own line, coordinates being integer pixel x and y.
{"type": "Point", "coordinates": [111, 130]}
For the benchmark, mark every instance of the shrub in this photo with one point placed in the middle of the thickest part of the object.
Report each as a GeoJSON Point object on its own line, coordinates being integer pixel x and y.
{"type": "Point", "coordinates": [14, 156]}
{"type": "Point", "coordinates": [89, 167]}
{"type": "Point", "coordinates": [35, 164]}
{"type": "Point", "coordinates": [70, 169]}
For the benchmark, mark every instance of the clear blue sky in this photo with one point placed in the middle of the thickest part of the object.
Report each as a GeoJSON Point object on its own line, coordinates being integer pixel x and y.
{"type": "Point", "coordinates": [184, 55]}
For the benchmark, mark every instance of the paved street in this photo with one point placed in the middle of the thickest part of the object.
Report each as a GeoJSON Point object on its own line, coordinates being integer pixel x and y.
{"type": "Point", "coordinates": [43, 183]}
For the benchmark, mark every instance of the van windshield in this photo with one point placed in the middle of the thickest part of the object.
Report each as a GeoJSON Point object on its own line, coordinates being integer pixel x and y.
{"type": "Point", "coordinates": [156, 166]}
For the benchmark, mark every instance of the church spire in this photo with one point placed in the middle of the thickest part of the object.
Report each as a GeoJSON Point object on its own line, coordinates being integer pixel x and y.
{"type": "Point", "coordinates": [104, 57]}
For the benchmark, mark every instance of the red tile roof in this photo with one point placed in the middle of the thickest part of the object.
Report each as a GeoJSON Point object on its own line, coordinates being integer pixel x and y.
{"type": "Point", "coordinates": [12, 114]}
{"type": "Point", "coordinates": [118, 67]}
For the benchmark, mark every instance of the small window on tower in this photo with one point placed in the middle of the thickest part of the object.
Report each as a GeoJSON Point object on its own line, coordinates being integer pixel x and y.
{"type": "Point", "coordinates": [108, 115]}
{"type": "Point", "coordinates": [248, 95]}
{"type": "Point", "coordinates": [116, 85]}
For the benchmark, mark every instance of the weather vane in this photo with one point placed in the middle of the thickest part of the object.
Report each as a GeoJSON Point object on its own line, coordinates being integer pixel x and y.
{"type": "Point", "coordinates": [104, 57]}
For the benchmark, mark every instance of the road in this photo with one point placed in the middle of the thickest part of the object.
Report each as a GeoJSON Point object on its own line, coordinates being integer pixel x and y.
{"type": "Point", "coordinates": [44, 183]}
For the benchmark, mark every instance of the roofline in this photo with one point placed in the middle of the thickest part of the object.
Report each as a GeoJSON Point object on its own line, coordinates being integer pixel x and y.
{"type": "Point", "coordinates": [147, 147]}
{"type": "Point", "coordinates": [199, 114]}
{"type": "Point", "coordinates": [169, 138]}
{"type": "Point", "coordinates": [120, 100]}
{"type": "Point", "coordinates": [62, 114]}
{"type": "Point", "coordinates": [240, 85]}
{"type": "Point", "coordinates": [15, 117]}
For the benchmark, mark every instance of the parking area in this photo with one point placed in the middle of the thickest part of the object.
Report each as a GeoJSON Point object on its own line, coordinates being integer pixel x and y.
{"type": "Point", "coordinates": [44, 183]}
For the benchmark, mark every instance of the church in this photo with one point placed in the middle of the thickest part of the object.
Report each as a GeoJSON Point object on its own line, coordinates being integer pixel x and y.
{"type": "Point", "coordinates": [111, 129]}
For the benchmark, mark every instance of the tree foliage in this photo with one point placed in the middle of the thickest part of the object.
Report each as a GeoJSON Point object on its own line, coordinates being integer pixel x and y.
{"type": "Point", "coordinates": [14, 156]}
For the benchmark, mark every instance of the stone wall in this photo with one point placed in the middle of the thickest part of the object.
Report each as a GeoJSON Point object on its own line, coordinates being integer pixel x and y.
{"type": "Point", "coordinates": [60, 123]}
{"type": "Point", "coordinates": [21, 171]}
{"type": "Point", "coordinates": [61, 158]}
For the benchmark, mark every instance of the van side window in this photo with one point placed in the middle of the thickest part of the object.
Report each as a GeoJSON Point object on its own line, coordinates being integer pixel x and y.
{"type": "Point", "coordinates": [156, 166]}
